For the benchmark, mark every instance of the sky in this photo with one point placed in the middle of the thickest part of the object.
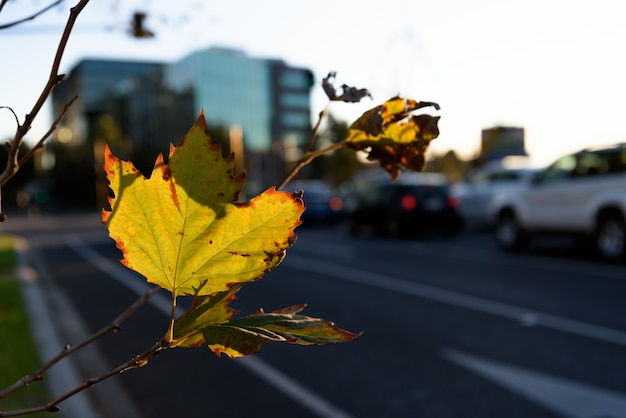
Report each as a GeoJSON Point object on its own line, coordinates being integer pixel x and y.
{"type": "Point", "coordinates": [556, 68]}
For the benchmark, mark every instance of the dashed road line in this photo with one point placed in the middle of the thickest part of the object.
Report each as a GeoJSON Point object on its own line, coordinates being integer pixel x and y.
{"type": "Point", "coordinates": [566, 397]}
{"type": "Point", "coordinates": [288, 386]}
{"type": "Point", "coordinates": [461, 300]}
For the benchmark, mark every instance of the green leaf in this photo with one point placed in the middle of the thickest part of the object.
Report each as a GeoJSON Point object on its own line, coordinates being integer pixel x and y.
{"type": "Point", "coordinates": [393, 136]}
{"type": "Point", "coordinates": [183, 228]}
{"type": "Point", "coordinates": [204, 311]}
{"type": "Point", "coordinates": [244, 336]}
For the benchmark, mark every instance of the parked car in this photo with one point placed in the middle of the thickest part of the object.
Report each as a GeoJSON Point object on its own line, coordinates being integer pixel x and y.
{"type": "Point", "coordinates": [580, 194]}
{"type": "Point", "coordinates": [416, 202]}
{"type": "Point", "coordinates": [483, 183]}
{"type": "Point", "coordinates": [321, 203]}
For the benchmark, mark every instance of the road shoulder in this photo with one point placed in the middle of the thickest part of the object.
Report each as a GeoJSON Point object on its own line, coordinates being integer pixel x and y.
{"type": "Point", "coordinates": [55, 323]}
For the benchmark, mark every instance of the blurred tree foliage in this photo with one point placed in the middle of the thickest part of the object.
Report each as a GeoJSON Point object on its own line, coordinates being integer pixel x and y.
{"type": "Point", "coordinates": [450, 164]}
{"type": "Point", "coordinates": [19, 181]}
{"type": "Point", "coordinates": [337, 166]}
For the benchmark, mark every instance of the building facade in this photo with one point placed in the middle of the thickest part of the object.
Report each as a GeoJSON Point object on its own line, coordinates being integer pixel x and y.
{"type": "Point", "coordinates": [77, 177]}
{"type": "Point", "coordinates": [139, 108]}
{"type": "Point", "coordinates": [91, 82]}
{"type": "Point", "coordinates": [267, 101]}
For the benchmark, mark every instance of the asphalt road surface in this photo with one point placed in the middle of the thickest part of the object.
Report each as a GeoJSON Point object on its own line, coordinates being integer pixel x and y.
{"type": "Point", "coordinates": [451, 328]}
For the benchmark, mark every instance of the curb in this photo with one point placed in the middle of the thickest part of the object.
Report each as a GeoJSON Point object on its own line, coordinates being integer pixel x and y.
{"type": "Point", "coordinates": [54, 320]}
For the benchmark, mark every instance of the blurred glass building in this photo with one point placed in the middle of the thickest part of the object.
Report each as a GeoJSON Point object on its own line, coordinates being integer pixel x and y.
{"type": "Point", "coordinates": [265, 100]}
{"type": "Point", "coordinates": [139, 108]}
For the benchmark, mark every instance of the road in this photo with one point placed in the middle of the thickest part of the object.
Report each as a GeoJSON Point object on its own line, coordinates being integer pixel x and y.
{"type": "Point", "coordinates": [451, 328]}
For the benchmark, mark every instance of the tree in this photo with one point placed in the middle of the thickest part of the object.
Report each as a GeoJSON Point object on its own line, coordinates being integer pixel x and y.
{"type": "Point", "coordinates": [185, 229]}
{"type": "Point", "coordinates": [340, 165]}
{"type": "Point", "coordinates": [21, 179]}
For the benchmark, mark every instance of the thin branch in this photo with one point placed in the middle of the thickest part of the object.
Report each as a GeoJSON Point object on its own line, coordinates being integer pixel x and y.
{"type": "Point", "coordinates": [2, 4]}
{"type": "Point", "coordinates": [316, 130]}
{"type": "Point", "coordinates": [17, 120]}
{"type": "Point", "coordinates": [114, 326]}
{"type": "Point", "coordinates": [308, 154]}
{"type": "Point", "coordinates": [139, 360]}
{"type": "Point", "coordinates": [13, 164]}
{"type": "Point", "coordinates": [31, 17]}
{"type": "Point", "coordinates": [43, 139]}
{"type": "Point", "coordinates": [306, 159]}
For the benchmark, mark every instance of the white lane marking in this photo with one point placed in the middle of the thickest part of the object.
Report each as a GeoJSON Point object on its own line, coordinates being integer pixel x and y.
{"type": "Point", "coordinates": [291, 388]}
{"type": "Point", "coordinates": [461, 300]}
{"type": "Point", "coordinates": [466, 252]}
{"type": "Point", "coordinates": [565, 397]}
{"type": "Point", "coordinates": [262, 369]}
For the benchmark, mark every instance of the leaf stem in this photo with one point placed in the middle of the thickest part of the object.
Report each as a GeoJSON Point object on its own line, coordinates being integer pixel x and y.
{"type": "Point", "coordinates": [169, 337]}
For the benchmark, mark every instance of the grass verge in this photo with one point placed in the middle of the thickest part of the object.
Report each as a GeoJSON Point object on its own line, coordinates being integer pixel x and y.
{"type": "Point", "coordinates": [18, 353]}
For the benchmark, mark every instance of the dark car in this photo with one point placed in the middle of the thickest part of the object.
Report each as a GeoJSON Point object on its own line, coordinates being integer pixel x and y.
{"type": "Point", "coordinates": [321, 203]}
{"type": "Point", "coordinates": [414, 204]}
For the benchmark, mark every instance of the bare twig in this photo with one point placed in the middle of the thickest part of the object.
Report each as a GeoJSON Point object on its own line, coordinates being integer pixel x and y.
{"type": "Point", "coordinates": [13, 165]}
{"type": "Point", "coordinates": [114, 326]}
{"type": "Point", "coordinates": [316, 130]}
{"type": "Point", "coordinates": [310, 155]}
{"type": "Point", "coordinates": [43, 139]}
{"type": "Point", "coordinates": [3, 3]}
{"type": "Point", "coordinates": [17, 120]}
{"type": "Point", "coordinates": [139, 360]}
{"type": "Point", "coordinates": [306, 159]}
{"type": "Point", "coordinates": [31, 17]}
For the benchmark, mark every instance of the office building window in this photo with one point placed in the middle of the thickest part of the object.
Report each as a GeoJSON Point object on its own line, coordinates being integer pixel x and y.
{"type": "Point", "coordinates": [295, 119]}
{"type": "Point", "coordinates": [295, 100]}
{"type": "Point", "coordinates": [295, 80]}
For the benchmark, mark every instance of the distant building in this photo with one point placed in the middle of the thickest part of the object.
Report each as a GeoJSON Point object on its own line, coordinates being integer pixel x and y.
{"type": "Point", "coordinates": [139, 108]}
{"type": "Point", "coordinates": [502, 141]}
{"type": "Point", "coordinates": [76, 151]}
{"type": "Point", "coordinates": [267, 99]}
{"type": "Point", "coordinates": [91, 81]}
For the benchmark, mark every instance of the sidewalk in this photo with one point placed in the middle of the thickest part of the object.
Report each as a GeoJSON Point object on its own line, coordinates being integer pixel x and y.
{"type": "Point", "coordinates": [55, 324]}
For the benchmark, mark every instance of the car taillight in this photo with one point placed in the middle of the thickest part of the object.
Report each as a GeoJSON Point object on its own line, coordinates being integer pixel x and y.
{"type": "Point", "coordinates": [408, 202]}
{"type": "Point", "coordinates": [335, 204]}
{"type": "Point", "coordinates": [453, 201]}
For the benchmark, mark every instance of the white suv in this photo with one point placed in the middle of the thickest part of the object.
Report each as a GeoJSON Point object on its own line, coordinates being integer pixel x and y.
{"type": "Point", "coordinates": [579, 194]}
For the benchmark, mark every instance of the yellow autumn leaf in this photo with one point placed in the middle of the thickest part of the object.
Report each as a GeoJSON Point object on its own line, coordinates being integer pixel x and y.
{"type": "Point", "coordinates": [182, 227]}
{"type": "Point", "coordinates": [390, 134]}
